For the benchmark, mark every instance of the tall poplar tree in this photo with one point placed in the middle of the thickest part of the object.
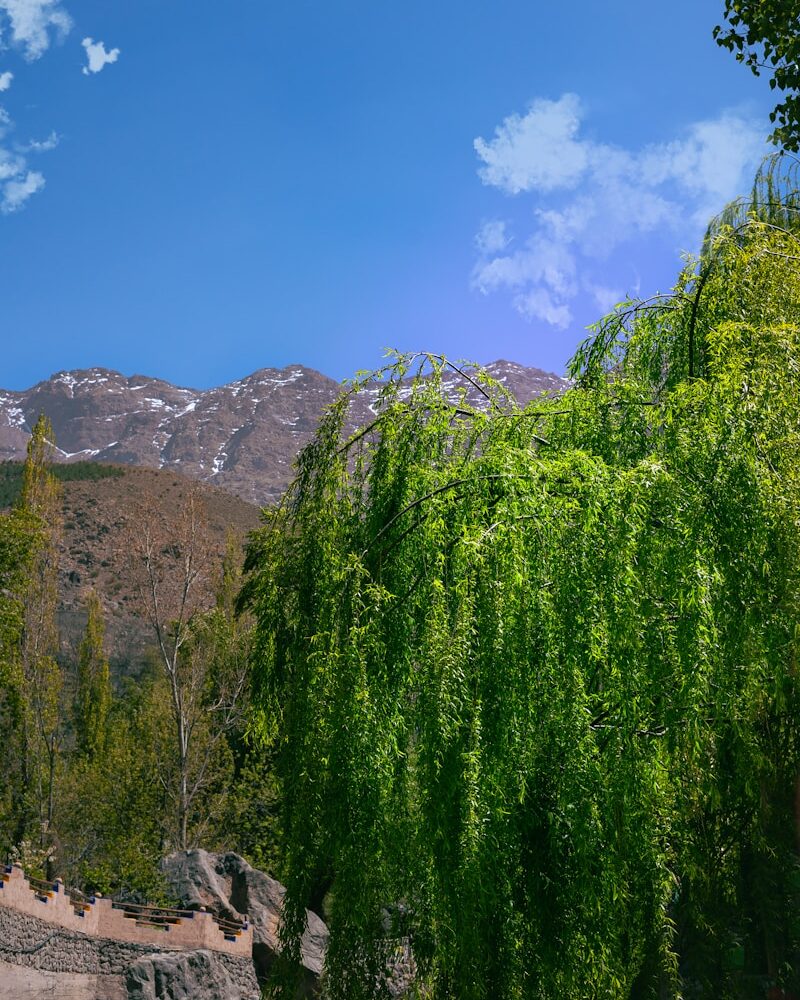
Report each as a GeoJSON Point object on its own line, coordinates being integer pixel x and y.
{"type": "Point", "coordinates": [93, 697]}
{"type": "Point", "coordinates": [40, 501]}
{"type": "Point", "coordinates": [16, 550]}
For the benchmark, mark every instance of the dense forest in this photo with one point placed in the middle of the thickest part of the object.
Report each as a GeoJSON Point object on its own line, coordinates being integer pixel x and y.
{"type": "Point", "coordinates": [515, 688]}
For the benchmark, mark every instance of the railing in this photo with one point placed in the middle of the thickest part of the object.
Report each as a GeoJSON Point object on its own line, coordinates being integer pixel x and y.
{"type": "Point", "coordinates": [231, 928]}
{"type": "Point", "coordinates": [80, 902]}
{"type": "Point", "coordinates": [162, 917]}
{"type": "Point", "coordinates": [159, 917]}
{"type": "Point", "coordinates": [44, 890]}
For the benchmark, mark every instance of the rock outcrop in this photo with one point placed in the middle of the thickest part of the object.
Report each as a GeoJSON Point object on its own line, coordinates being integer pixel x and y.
{"type": "Point", "coordinates": [227, 885]}
{"type": "Point", "coordinates": [190, 975]}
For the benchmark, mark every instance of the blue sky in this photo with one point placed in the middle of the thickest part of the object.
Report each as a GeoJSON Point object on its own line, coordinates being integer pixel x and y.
{"type": "Point", "coordinates": [196, 190]}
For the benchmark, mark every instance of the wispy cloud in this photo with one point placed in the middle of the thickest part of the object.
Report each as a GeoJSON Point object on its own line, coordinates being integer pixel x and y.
{"type": "Point", "coordinates": [97, 56]}
{"type": "Point", "coordinates": [33, 23]}
{"type": "Point", "coordinates": [18, 182]}
{"type": "Point", "coordinates": [590, 199]}
{"type": "Point", "coordinates": [604, 297]}
{"type": "Point", "coordinates": [491, 238]}
{"type": "Point", "coordinates": [41, 145]}
{"type": "Point", "coordinates": [16, 191]}
{"type": "Point", "coordinates": [30, 26]}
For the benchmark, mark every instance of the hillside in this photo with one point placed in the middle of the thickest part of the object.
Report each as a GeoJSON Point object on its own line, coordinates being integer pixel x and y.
{"type": "Point", "coordinates": [94, 550]}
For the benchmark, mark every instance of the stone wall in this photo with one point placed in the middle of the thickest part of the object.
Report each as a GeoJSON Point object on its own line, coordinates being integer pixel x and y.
{"type": "Point", "coordinates": [43, 954]}
{"type": "Point", "coordinates": [101, 917]}
{"type": "Point", "coordinates": [39, 959]}
{"type": "Point", "coordinates": [19, 983]}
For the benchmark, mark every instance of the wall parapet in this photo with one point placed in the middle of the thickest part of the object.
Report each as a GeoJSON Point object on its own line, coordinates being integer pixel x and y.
{"type": "Point", "coordinates": [161, 928]}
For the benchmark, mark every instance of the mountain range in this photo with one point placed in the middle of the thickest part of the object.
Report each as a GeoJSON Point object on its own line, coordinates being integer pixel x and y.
{"type": "Point", "coordinates": [242, 437]}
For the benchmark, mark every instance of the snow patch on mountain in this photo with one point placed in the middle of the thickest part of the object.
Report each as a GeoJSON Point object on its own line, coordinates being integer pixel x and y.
{"type": "Point", "coordinates": [243, 436]}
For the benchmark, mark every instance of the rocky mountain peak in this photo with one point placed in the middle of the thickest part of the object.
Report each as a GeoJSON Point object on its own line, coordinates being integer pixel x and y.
{"type": "Point", "coordinates": [242, 436]}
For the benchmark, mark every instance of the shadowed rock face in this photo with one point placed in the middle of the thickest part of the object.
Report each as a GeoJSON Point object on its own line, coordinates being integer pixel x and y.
{"type": "Point", "coordinates": [242, 437]}
{"type": "Point", "coordinates": [191, 975]}
{"type": "Point", "coordinates": [227, 885]}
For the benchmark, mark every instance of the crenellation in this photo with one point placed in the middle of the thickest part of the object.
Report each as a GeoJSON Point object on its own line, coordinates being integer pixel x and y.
{"type": "Point", "coordinates": [97, 916]}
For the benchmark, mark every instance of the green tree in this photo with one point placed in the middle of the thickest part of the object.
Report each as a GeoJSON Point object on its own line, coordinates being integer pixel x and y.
{"type": "Point", "coordinates": [216, 656]}
{"type": "Point", "coordinates": [40, 501]}
{"type": "Point", "coordinates": [765, 34]}
{"type": "Point", "coordinates": [535, 671]}
{"type": "Point", "coordinates": [93, 696]}
{"type": "Point", "coordinates": [203, 654]}
{"type": "Point", "coordinates": [113, 808]}
{"type": "Point", "coordinates": [17, 542]}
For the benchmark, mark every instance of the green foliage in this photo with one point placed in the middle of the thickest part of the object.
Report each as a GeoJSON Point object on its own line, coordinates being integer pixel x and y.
{"type": "Point", "coordinates": [773, 200]}
{"type": "Point", "coordinates": [245, 805]}
{"type": "Point", "coordinates": [90, 777]}
{"type": "Point", "coordinates": [41, 677]}
{"type": "Point", "coordinates": [111, 811]}
{"type": "Point", "coordinates": [93, 697]}
{"type": "Point", "coordinates": [535, 671]}
{"type": "Point", "coordinates": [11, 476]}
{"type": "Point", "coordinates": [765, 34]}
{"type": "Point", "coordinates": [73, 472]}
{"type": "Point", "coordinates": [250, 821]}
{"type": "Point", "coordinates": [17, 544]}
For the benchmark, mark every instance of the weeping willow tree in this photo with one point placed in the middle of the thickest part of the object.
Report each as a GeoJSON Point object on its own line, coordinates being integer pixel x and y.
{"type": "Point", "coordinates": [534, 672]}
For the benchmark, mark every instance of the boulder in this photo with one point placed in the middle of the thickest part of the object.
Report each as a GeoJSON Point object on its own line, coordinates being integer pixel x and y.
{"type": "Point", "coordinates": [188, 975]}
{"type": "Point", "coordinates": [228, 886]}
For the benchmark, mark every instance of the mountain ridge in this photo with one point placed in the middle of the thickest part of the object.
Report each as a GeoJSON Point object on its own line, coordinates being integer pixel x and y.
{"type": "Point", "coordinates": [242, 436]}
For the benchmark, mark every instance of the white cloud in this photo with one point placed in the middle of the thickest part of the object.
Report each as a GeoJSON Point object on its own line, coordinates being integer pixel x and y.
{"type": "Point", "coordinates": [540, 303]}
{"type": "Point", "coordinates": [32, 22]}
{"type": "Point", "coordinates": [491, 237]}
{"type": "Point", "coordinates": [43, 145]}
{"type": "Point", "coordinates": [537, 151]}
{"type": "Point", "coordinates": [589, 199]}
{"type": "Point", "coordinates": [10, 165]}
{"type": "Point", "coordinates": [17, 181]}
{"type": "Point", "coordinates": [605, 298]}
{"type": "Point", "coordinates": [538, 262]}
{"type": "Point", "coordinates": [97, 56]}
{"type": "Point", "coordinates": [30, 25]}
{"type": "Point", "coordinates": [16, 192]}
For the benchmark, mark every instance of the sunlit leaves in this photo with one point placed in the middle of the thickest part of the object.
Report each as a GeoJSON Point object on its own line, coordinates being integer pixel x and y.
{"type": "Point", "coordinates": [535, 671]}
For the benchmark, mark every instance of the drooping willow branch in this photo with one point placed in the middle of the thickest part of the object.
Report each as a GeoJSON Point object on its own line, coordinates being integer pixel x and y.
{"type": "Point", "coordinates": [435, 492]}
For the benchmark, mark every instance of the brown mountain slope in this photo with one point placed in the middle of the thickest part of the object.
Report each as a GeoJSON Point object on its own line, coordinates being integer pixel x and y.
{"type": "Point", "coordinates": [96, 542]}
